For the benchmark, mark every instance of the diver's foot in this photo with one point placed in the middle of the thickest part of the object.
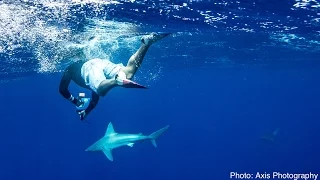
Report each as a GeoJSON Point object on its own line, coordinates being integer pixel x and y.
{"type": "Point", "coordinates": [153, 37]}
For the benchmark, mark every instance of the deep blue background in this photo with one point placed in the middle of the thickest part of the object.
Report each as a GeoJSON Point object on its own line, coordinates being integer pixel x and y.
{"type": "Point", "coordinates": [216, 118]}
{"type": "Point", "coordinates": [221, 88]}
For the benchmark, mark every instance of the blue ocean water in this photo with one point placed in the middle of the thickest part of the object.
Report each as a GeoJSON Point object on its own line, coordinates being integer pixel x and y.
{"type": "Point", "coordinates": [230, 73]}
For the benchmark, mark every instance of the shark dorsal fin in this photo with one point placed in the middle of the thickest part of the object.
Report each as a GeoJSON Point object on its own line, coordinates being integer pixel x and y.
{"type": "Point", "coordinates": [110, 130]}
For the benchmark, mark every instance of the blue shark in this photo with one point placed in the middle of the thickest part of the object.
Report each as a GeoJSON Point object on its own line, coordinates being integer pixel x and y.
{"type": "Point", "coordinates": [112, 140]}
{"type": "Point", "coordinates": [272, 137]}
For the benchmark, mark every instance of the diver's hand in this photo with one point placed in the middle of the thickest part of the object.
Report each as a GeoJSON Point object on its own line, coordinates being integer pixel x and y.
{"type": "Point", "coordinates": [82, 114]}
{"type": "Point", "coordinates": [82, 104]}
{"type": "Point", "coordinates": [120, 77]}
{"type": "Point", "coordinates": [74, 100]}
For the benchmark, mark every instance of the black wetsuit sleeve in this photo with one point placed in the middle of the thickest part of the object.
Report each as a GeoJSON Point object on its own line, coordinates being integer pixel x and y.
{"type": "Point", "coordinates": [64, 84]}
{"type": "Point", "coordinates": [94, 101]}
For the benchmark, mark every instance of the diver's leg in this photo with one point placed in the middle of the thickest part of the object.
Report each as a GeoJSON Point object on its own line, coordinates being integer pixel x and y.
{"type": "Point", "coordinates": [105, 86]}
{"type": "Point", "coordinates": [136, 59]}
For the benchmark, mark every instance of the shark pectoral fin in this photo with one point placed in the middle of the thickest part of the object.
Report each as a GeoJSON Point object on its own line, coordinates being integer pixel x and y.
{"type": "Point", "coordinates": [130, 144]}
{"type": "Point", "coordinates": [108, 153]}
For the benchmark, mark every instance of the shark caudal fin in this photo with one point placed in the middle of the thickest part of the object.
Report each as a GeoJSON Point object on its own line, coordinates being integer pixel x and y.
{"type": "Point", "coordinates": [156, 134]}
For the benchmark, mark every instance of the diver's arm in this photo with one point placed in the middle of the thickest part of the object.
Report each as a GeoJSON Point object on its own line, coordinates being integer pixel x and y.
{"type": "Point", "coordinates": [94, 101]}
{"type": "Point", "coordinates": [64, 84]}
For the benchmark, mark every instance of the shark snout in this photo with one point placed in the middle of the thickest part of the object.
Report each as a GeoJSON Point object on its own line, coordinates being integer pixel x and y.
{"type": "Point", "coordinates": [89, 149]}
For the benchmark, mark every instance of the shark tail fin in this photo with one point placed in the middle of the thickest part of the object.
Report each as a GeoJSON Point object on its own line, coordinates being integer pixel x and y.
{"type": "Point", "coordinates": [156, 134]}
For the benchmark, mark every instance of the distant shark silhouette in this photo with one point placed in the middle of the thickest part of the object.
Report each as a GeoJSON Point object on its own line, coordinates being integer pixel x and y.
{"type": "Point", "coordinates": [272, 137]}
{"type": "Point", "coordinates": [112, 140]}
